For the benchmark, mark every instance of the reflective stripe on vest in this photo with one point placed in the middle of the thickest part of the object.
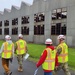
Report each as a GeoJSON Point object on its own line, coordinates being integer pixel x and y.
{"type": "Point", "coordinates": [49, 63]}
{"type": "Point", "coordinates": [7, 52]}
{"type": "Point", "coordinates": [21, 48]}
{"type": "Point", "coordinates": [63, 57]}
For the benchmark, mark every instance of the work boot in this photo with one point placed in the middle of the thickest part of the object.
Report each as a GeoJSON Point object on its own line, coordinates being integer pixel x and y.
{"type": "Point", "coordinates": [9, 73]}
{"type": "Point", "coordinates": [20, 69]}
{"type": "Point", "coordinates": [5, 73]}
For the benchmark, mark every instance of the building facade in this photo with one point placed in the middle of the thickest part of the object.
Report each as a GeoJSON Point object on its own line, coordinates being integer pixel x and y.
{"type": "Point", "coordinates": [39, 21]}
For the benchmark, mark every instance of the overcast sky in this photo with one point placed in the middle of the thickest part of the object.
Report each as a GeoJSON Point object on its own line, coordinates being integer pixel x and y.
{"type": "Point", "coordinates": [8, 3]}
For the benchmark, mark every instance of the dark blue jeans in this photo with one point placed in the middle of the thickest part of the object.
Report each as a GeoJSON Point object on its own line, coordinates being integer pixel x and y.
{"type": "Point", "coordinates": [47, 73]}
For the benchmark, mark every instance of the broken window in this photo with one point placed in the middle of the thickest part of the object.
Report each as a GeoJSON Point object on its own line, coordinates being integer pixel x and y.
{"type": "Point", "coordinates": [39, 17]}
{"type": "Point", "coordinates": [15, 31]}
{"type": "Point", "coordinates": [53, 29]}
{"type": "Point", "coordinates": [6, 23]}
{"type": "Point", "coordinates": [64, 13]}
{"type": "Point", "coordinates": [54, 15]}
{"type": "Point", "coordinates": [0, 23]}
{"type": "Point", "coordinates": [60, 13]}
{"type": "Point", "coordinates": [15, 21]}
{"type": "Point", "coordinates": [58, 28]}
{"type": "Point", "coordinates": [6, 31]}
{"type": "Point", "coordinates": [38, 29]}
{"type": "Point", "coordinates": [25, 20]}
{"type": "Point", "coordinates": [0, 31]}
{"type": "Point", "coordinates": [63, 29]}
{"type": "Point", "coordinates": [58, 25]}
{"type": "Point", "coordinates": [25, 30]}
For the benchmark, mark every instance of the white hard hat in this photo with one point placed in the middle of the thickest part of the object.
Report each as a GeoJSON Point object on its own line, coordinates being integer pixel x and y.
{"type": "Point", "coordinates": [61, 37]}
{"type": "Point", "coordinates": [20, 35]}
{"type": "Point", "coordinates": [48, 41]}
{"type": "Point", "coordinates": [7, 37]}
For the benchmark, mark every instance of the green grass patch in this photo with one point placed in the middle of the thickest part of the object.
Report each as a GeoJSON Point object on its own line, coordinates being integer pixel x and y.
{"type": "Point", "coordinates": [1, 41]}
{"type": "Point", "coordinates": [71, 61]}
{"type": "Point", "coordinates": [35, 50]}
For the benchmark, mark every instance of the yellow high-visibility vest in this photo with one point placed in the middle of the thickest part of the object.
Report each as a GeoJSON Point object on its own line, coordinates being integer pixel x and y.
{"type": "Point", "coordinates": [21, 47]}
{"type": "Point", "coordinates": [8, 50]}
{"type": "Point", "coordinates": [49, 63]}
{"type": "Point", "coordinates": [63, 57]}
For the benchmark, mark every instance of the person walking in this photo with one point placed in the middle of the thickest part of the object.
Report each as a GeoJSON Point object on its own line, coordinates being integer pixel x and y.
{"type": "Point", "coordinates": [7, 53]}
{"type": "Point", "coordinates": [20, 51]}
{"type": "Point", "coordinates": [48, 58]}
{"type": "Point", "coordinates": [62, 52]}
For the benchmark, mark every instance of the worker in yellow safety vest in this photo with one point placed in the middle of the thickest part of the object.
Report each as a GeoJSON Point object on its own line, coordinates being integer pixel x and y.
{"type": "Point", "coordinates": [48, 58]}
{"type": "Point", "coordinates": [20, 51]}
{"type": "Point", "coordinates": [62, 51]}
{"type": "Point", "coordinates": [7, 53]}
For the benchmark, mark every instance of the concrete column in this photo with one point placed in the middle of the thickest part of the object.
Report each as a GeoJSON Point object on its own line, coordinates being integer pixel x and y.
{"type": "Point", "coordinates": [70, 37]}
{"type": "Point", "coordinates": [10, 27]}
{"type": "Point", "coordinates": [47, 24]}
{"type": "Point", "coordinates": [3, 29]}
{"type": "Point", "coordinates": [31, 28]}
{"type": "Point", "coordinates": [19, 25]}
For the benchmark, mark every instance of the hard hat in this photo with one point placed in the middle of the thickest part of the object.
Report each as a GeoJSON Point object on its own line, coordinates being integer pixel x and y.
{"type": "Point", "coordinates": [48, 41]}
{"type": "Point", "coordinates": [20, 35]}
{"type": "Point", "coordinates": [61, 37]}
{"type": "Point", "coordinates": [7, 37]}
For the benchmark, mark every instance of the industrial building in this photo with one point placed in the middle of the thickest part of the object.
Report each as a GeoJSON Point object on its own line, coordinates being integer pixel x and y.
{"type": "Point", "coordinates": [39, 21]}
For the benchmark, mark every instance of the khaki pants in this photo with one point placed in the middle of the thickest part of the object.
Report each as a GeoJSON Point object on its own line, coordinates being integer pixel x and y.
{"type": "Point", "coordinates": [5, 64]}
{"type": "Point", "coordinates": [65, 68]}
